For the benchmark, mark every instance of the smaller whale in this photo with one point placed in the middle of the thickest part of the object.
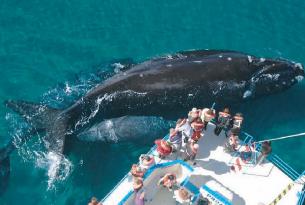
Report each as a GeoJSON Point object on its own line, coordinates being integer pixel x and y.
{"type": "Point", "coordinates": [138, 129]}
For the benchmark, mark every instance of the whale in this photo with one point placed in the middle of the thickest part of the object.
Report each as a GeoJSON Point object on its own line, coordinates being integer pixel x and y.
{"type": "Point", "coordinates": [136, 129]}
{"type": "Point", "coordinates": [161, 87]}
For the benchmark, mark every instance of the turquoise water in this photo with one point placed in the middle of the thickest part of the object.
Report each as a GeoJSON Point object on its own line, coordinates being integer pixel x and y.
{"type": "Point", "coordinates": [44, 45]}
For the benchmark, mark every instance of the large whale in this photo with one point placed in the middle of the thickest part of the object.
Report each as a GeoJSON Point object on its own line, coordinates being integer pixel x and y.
{"type": "Point", "coordinates": [161, 86]}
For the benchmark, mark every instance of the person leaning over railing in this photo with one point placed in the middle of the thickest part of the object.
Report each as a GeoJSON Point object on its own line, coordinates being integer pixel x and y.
{"type": "Point", "coordinates": [207, 115]}
{"type": "Point", "coordinates": [265, 151]}
{"type": "Point", "coordinates": [94, 202]}
{"type": "Point", "coordinates": [232, 143]}
{"type": "Point", "coordinates": [223, 121]}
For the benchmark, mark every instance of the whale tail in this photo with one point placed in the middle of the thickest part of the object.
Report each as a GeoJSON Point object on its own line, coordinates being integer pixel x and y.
{"type": "Point", "coordinates": [41, 118]}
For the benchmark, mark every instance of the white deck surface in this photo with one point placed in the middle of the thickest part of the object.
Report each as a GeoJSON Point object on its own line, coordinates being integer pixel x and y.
{"type": "Point", "coordinates": [251, 185]}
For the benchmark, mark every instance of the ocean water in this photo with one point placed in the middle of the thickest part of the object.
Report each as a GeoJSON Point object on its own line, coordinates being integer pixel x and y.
{"type": "Point", "coordinates": [48, 48]}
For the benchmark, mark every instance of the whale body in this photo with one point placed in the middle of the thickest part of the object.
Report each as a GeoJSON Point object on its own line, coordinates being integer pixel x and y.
{"type": "Point", "coordinates": [161, 87]}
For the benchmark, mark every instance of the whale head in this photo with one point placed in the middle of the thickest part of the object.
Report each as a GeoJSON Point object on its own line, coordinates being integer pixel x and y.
{"type": "Point", "coordinates": [272, 76]}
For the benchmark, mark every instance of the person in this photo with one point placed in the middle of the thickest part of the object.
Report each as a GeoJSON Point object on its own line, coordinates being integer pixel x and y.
{"type": "Point", "coordinates": [182, 196]}
{"type": "Point", "coordinates": [191, 151]}
{"type": "Point", "coordinates": [94, 202]}
{"type": "Point", "coordinates": [237, 120]}
{"type": "Point", "coordinates": [186, 130]}
{"type": "Point", "coordinates": [139, 198]}
{"type": "Point", "coordinates": [163, 148]}
{"type": "Point", "coordinates": [207, 115]}
{"type": "Point", "coordinates": [194, 114]}
{"type": "Point", "coordinates": [175, 139]}
{"type": "Point", "coordinates": [197, 126]}
{"type": "Point", "coordinates": [265, 151]}
{"type": "Point", "coordinates": [136, 171]}
{"type": "Point", "coordinates": [146, 161]}
{"type": "Point", "coordinates": [169, 180]}
{"type": "Point", "coordinates": [175, 135]}
{"type": "Point", "coordinates": [137, 184]}
{"type": "Point", "coordinates": [232, 143]}
{"type": "Point", "coordinates": [203, 201]}
{"type": "Point", "coordinates": [222, 121]}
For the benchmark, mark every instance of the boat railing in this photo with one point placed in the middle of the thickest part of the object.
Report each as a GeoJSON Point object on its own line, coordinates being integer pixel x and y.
{"type": "Point", "coordinates": [276, 160]}
{"type": "Point", "coordinates": [302, 194]}
{"type": "Point", "coordinates": [127, 175]}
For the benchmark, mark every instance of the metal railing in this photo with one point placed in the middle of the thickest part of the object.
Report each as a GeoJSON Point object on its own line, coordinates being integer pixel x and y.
{"type": "Point", "coordinates": [302, 194]}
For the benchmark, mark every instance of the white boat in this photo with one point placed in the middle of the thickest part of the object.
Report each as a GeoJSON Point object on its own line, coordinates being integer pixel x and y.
{"type": "Point", "coordinates": [268, 183]}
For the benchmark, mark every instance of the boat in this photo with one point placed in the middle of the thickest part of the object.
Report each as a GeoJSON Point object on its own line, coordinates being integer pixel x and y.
{"type": "Point", "coordinates": [217, 177]}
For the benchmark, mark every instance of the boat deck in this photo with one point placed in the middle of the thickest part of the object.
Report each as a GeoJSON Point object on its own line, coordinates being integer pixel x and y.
{"type": "Point", "coordinates": [249, 183]}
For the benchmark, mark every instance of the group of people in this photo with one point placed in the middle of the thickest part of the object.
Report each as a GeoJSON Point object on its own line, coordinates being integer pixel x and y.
{"type": "Point", "coordinates": [185, 136]}
{"type": "Point", "coordinates": [189, 131]}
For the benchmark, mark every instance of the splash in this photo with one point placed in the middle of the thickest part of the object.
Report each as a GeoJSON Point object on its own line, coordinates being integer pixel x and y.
{"type": "Point", "coordinates": [58, 167]}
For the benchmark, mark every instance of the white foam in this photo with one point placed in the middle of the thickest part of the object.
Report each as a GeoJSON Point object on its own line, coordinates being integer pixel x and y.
{"type": "Point", "coordinates": [220, 56]}
{"type": "Point", "coordinates": [169, 65]}
{"type": "Point", "coordinates": [262, 59]}
{"type": "Point", "coordinates": [118, 67]}
{"type": "Point", "coordinates": [59, 168]}
{"type": "Point", "coordinates": [197, 62]}
{"type": "Point", "coordinates": [68, 89]}
{"type": "Point", "coordinates": [229, 58]}
{"type": "Point", "coordinates": [299, 78]}
{"type": "Point", "coordinates": [247, 94]}
{"type": "Point", "coordinates": [299, 65]}
{"type": "Point", "coordinates": [169, 57]}
{"type": "Point", "coordinates": [250, 59]}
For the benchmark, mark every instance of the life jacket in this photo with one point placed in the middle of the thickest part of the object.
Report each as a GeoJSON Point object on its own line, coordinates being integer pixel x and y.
{"type": "Point", "coordinates": [197, 126]}
{"type": "Point", "coordinates": [237, 121]}
{"type": "Point", "coordinates": [163, 148]}
{"type": "Point", "coordinates": [136, 173]}
{"type": "Point", "coordinates": [196, 135]}
{"type": "Point", "coordinates": [148, 163]}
